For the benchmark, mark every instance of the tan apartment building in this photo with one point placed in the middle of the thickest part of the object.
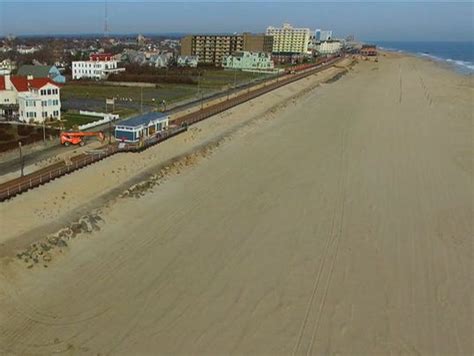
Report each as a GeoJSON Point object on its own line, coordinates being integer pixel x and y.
{"type": "Point", "coordinates": [257, 43]}
{"type": "Point", "coordinates": [289, 40]}
{"type": "Point", "coordinates": [212, 49]}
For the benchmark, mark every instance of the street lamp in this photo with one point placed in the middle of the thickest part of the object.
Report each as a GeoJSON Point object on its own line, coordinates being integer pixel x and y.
{"type": "Point", "coordinates": [44, 131]}
{"type": "Point", "coordinates": [22, 162]}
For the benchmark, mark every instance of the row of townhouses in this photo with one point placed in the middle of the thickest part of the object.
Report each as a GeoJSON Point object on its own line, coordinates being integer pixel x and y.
{"type": "Point", "coordinates": [35, 99]}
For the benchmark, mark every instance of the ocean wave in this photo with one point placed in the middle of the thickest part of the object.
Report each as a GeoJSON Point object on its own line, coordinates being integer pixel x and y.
{"type": "Point", "coordinates": [463, 65]}
{"type": "Point", "coordinates": [460, 65]}
{"type": "Point", "coordinates": [391, 49]}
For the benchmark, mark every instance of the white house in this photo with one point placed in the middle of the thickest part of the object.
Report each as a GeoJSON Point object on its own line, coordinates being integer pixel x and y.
{"type": "Point", "coordinates": [7, 66]}
{"type": "Point", "coordinates": [98, 67]}
{"type": "Point", "coordinates": [27, 50]}
{"type": "Point", "coordinates": [37, 98]}
{"type": "Point", "coordinates": [188, 61]}
{"type": "Point", "coordinates": [8, 94]}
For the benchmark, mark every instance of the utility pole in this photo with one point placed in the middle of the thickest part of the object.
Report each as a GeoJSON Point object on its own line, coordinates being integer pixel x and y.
{"type": "Point", "coordinates": [110, 130]}
{"type": "Point", "coordinates": [199, 82]}
{"type": "Point", "coordinates": [200, 93]}
{"type": "Point", "coordinates": [141, 100]}
{"type": "Point", "coordinates": [44, 131]}
{"type": "Point", "coordinates": [22, 163]}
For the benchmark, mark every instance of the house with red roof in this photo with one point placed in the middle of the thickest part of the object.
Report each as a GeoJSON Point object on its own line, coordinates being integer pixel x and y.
{"type": "Point", "coordinates": [37, 99]}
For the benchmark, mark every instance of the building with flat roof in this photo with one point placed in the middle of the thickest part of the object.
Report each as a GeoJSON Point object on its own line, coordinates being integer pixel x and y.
{"type": "Point", "coordinates": [249, 61]}
{"type": "Point", "coordinates": [140, 127]}
{"type": "Point", "coordinates": [329, 47]}
{"type": "Point", "coordinates": [289, 40]}
{"type": "Point", "coordinates": [98, 67]}
{"type": "Point", "coordinates": [260, 43]}
{"type": "Point", "coordinates": [212, 49]}
{"type": "Point", "coordinates": [323, 35]}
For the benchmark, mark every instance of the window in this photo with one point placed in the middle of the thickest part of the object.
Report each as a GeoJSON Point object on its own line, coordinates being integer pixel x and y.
{"type": "Point", "coordinates": [49, 91]}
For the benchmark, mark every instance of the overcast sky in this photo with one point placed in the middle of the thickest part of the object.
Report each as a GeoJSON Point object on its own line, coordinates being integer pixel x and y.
{"type": "Point", "coordinates": [381, 20]}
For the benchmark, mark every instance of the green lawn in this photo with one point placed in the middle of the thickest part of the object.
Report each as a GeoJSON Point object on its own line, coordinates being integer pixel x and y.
{"type": "Point", "coordinates": [125, 112]}
{"type": "Point", "coordinates": [72, 120]}
{"type": "Point", "coordinates": [218, 79]}
{"type": "Point", "coordinates": [211, 80]}
{"type": "Point", "coordinates": [168, 92]}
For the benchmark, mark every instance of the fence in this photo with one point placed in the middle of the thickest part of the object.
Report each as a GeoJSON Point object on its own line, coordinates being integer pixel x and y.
{"type": "Point", "coordinates": [36, 179]}
{"type": "Point", "coordinates": [106, 118]}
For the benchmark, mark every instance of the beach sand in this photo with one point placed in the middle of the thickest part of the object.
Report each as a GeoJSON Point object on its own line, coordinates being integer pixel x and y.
{"type": "Point", "coordinates": [339, 222]}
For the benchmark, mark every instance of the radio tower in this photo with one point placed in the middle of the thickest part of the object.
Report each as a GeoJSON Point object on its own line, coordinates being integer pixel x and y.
{"type": "Point", "coordinates": [106, 22]}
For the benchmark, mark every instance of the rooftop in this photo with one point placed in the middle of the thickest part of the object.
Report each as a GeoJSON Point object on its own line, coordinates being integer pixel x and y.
{"type": "Point", "coordinates": [23, 83]}
{"type": "Point", "coordinates": [143, 119]}
{"type": "Point", "coordinates": [38, 71]}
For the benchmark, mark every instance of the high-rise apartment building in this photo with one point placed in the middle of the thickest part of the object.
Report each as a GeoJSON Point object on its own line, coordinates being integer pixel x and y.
{"type": "Point", "coordinates": [289, 40]}
{"type": "Point", "coordinates": [212, 49]}
{"type": "Point", "coordinates": [323, 35]}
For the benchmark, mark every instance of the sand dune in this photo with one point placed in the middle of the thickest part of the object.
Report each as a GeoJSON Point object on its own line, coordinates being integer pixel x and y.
{"type": "Point", "coordinates": [340, 223]}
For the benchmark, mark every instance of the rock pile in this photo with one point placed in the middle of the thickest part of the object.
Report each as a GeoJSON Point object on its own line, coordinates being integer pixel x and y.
{"type": "Point", "coordinates": [41, 252]}
{"type": "Point", "coordinates": [175, 167]}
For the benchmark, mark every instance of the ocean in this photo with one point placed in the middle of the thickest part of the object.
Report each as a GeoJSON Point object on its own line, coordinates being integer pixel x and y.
{"type": "Point", "coordinates": [460, 55]}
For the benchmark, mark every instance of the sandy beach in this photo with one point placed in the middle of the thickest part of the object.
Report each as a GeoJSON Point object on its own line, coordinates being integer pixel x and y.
{"type": "Point", "coordinates": [326, 217]}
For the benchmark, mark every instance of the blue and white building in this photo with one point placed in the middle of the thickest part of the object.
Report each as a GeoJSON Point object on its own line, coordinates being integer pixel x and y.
{"type": "Point", "coordinates": [323, 35]}
{"type": "Point", "coordinates": [141, 127]}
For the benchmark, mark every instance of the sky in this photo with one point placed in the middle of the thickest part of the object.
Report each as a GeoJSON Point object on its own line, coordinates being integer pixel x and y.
{"type": "Point", "coordinates": [370, 20]}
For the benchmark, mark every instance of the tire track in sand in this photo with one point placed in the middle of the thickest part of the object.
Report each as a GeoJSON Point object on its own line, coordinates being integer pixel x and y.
{"type": "Point", "coordinates": [331, 250]}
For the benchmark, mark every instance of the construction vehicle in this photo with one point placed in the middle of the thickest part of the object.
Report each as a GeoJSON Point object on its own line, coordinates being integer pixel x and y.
{"type": "Point", "coordinates": [78, 137]}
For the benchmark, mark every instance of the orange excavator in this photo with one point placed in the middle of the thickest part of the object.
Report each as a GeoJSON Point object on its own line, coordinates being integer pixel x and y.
{"type": "Point", "coordinates": [77, 137]}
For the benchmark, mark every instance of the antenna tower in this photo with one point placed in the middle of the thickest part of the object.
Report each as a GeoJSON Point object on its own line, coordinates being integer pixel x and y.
{"type": "Point", "coordinates": [106, 21]}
